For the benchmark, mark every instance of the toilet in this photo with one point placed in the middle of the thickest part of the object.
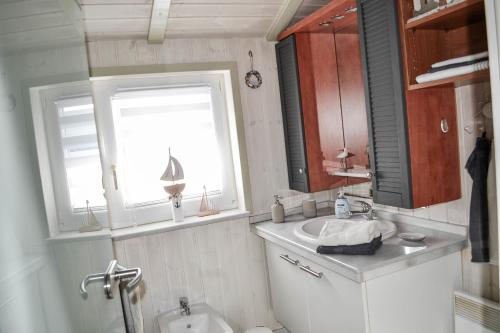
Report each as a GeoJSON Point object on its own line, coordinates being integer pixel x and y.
{"type": "Point", "coordinates": [259, 330]}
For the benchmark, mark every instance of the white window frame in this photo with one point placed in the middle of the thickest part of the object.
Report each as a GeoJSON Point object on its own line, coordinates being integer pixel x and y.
{"type": "Point", "coordinates": [104, 88]}
{"type": "Point", "coordinates": [60, 214]}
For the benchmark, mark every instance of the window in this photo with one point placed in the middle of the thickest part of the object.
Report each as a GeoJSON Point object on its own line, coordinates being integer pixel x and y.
{"type": "Point", "coordinates": [68, 153]}
{"type": "Point", "coordinates": [149, 124]}
{"type": "Point", "coordinates": [80, 152]}
{"type": "Point", "coordinates": [117, 142]}
{"type": "Point", "coordinates": [141, 118]}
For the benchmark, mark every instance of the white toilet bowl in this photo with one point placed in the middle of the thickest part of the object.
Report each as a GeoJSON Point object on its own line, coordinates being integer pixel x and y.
{"type": "Point", "coordinates": [259, 330]}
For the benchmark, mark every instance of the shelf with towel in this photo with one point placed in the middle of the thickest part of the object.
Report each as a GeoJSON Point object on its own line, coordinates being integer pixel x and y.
{"type": "Point", "coordinates": [454, 81]}
{"type": "Point", "coordinates": [450, 17]}
{"type": "Point", "coordinates": [455, 30]}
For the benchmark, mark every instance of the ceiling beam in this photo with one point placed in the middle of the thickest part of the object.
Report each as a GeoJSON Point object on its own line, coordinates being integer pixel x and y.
{"type": "Point", "coordinates": [158, 23]}
{"type": "Point", "coordinates": [285, 15]}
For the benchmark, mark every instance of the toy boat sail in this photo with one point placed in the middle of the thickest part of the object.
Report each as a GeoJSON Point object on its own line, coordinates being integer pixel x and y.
{"type": "Point", "coordinates": [207, 207]}
{"type": "Point", "coordinates": [91, 223]}
{"type": "Point", "coordinates": [174, 174]}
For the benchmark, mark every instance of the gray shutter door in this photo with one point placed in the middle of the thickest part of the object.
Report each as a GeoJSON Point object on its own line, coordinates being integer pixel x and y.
{"type": "Point", "coordinates": [386, 110]}
{"type": "Point", "coordinates": [292, 114]}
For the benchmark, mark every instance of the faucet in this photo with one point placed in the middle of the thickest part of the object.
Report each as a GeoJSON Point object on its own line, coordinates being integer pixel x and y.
{"type": "Point", "coordinates": [366, 209]}
{"type": "Point", "coordinates": [184, 304]}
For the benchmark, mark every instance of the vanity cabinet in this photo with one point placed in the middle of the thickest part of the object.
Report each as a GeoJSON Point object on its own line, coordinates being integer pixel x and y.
{"type": "Point", "coordinates": [306, 303]}
{"type": "Point", "coordinates": [413, 300]}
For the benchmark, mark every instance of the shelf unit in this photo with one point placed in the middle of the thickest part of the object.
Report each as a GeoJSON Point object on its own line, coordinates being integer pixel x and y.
{"type": "Point", "coordinates": [454, 81]}
{"type": "Point", "coordinates": [452, 17]}
{"type": "Point", "coordinates": [455, 31]}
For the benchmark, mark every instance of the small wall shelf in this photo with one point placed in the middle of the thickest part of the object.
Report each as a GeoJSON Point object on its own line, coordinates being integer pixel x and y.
{"type": "Point", "coordinates": [454, 81]}
{"type": "Point", "coordinates": [448, 33]}
{"type": "Point", "coordinates": [462, 14]}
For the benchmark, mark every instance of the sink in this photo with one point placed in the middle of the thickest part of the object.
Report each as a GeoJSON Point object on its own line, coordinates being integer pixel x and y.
{"type": "Point", "coordinates": [309, 230]}
{"type": "Point", "coordinates": [203, 319]}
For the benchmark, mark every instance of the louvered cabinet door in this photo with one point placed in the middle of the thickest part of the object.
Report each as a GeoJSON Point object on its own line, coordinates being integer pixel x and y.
{"type": "Point", "coordinates": [386, 110]}
{"type": "Point", "coordinates": [293, 122]}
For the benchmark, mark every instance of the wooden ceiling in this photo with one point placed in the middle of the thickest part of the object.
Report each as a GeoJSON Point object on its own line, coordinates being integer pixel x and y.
{"type": "Point", "coordinates": [38, 23]}
{"type": "Point", "coordinates": [126, 19]}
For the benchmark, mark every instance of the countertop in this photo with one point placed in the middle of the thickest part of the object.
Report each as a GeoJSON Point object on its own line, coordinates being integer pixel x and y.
{"type": "Point", "coordinates": [394, 255]}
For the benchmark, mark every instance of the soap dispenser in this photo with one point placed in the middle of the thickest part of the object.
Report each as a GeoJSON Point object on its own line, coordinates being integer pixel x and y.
{"type": "Point", "coordinates": [277, 210]}
{"type": "Point", "coordinates": [342, 208]}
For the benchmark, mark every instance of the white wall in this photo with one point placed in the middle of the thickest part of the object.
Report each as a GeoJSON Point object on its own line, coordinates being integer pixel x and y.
{"type": "Point", "coordinates": [267, 160]}
{"type": "Point", "coordinates": [30, 300]}
{"type": "Point", "coordinates": [261, 107]}
{"type": "Point", "coordinates": [221, 264]}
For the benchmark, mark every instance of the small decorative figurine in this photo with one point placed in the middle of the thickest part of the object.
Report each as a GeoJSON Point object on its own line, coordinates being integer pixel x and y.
{"type": "Point", "coordinates": [91, 223]}
{"type": "Point", "coordinates": [207, 207]}
{"type": "Point", "coordinates": [174, 176]}
{"type": "Point", "coordinates": [343, 156]}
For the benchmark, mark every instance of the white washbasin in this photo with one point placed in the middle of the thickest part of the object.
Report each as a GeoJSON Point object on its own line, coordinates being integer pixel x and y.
{"type": "Point", "coordinates": [309, 230]}
{"type": "Point", "coordinates": [203, 319]}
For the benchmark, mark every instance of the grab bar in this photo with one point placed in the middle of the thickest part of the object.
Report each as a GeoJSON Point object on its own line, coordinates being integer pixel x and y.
{"type": "Point", "coordinates": [91, 278]}
{"type": "Point", "coordinates": [134, 274]}
{"type": "Point", "coordinates": [115, 273]}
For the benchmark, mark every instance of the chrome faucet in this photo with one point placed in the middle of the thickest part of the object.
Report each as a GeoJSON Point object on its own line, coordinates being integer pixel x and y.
{"type": "Point", "coordinates": [366, 210]}
{"type": "Point", "coordinates": [185, 308]}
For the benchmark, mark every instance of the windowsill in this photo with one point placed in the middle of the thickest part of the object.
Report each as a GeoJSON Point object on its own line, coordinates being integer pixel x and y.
{"type": "Point", "coordinates": [151, 228]}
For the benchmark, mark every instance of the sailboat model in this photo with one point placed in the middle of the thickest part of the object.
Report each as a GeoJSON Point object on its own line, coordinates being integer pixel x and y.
{"type": "Point", "coordinates": [207, 207]}
{"type": "Point", "coordinates": [174, 176]}
{"type": "Point", "coordinates": [91, 224]}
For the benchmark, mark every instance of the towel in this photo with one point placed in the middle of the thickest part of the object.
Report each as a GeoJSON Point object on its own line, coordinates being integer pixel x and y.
{"type": "Point", "coordinates": [360, 249]}
{"type": "Point", "coordinates": [427, 77]}
{"type": "Point", "coordinates": [132, 309]}
{"type": "Point", "coordinates": [442, 68]}
{"type": "Point", "coordinates": [461, 59]}
{"type": "Point", "coordinates": [492, 206]}
{"type": "Point", "coordinates": [477, 167]}
{"type": "Point", "coordinates": [347, 232]}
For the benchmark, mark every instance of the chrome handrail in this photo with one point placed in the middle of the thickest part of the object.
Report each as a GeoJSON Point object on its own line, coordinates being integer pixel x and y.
{"type": "Point", "coordinates": [115, 273]}
{"type": "Point", "coordinates": [91, 278]}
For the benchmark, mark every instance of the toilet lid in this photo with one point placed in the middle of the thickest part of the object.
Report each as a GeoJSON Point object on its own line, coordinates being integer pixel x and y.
{"type": "Point", "coordinates": [259, 330]}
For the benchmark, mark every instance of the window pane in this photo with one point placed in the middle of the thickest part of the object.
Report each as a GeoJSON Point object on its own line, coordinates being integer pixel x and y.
{"type": "Point", "coordinates": [81, 152]}
{"type": "Point", "coordinates": [148, 123]}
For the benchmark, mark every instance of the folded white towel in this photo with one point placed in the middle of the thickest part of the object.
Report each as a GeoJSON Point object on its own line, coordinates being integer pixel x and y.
{"type": "Point", "coordinates": [460, 59]}
{"type": "Point", "coordinates": [427, 77]}
{"type": "Point", "coordinates": [347, 232]}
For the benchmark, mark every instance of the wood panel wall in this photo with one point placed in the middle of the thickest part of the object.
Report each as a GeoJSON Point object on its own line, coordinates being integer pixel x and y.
{"type": "Point", "coordinates": [264, 132]}
{"type": "Point", "coordinates": [222, 264]}
{"type": "Point", "coordinates": [261, 107]}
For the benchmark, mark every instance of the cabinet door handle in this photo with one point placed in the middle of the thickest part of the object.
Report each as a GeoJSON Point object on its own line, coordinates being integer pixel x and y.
{"type": "Point", "coordinates": [115, 178]}
{"type": "Point", "coordinates": [444, 126]}
{"type": "Point", "coordinates": [310, 271]}
{"type": "Point", "coordinates": [290, 260]}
